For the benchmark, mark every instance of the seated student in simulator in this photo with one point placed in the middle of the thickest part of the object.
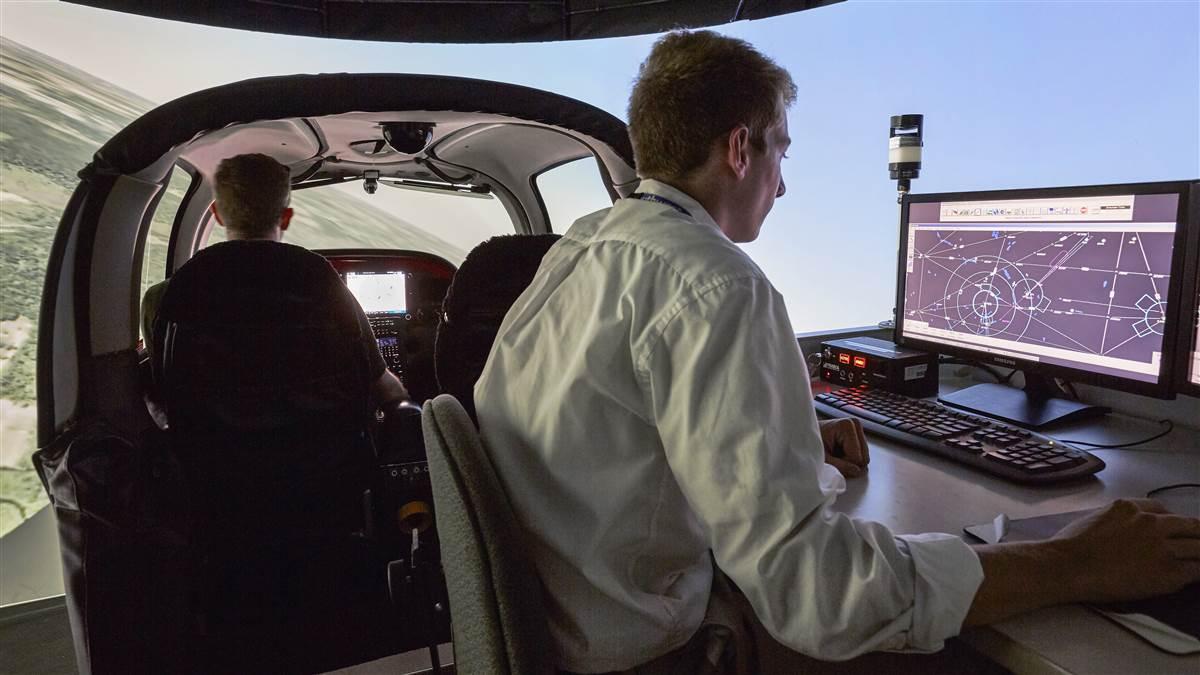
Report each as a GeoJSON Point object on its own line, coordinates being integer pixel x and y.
{"type": "Point", "coordinates": [669, 424]}
{"type": "Point", "coordinates": [252, 196]}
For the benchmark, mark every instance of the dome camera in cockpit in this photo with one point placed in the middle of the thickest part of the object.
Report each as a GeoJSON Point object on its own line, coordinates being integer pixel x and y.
{"type": "Point", "coordinates": [408, 137]}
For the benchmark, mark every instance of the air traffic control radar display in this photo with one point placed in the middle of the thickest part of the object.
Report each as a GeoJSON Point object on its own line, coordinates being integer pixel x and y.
{"type": "Point", "coordinates": [1080, 282]}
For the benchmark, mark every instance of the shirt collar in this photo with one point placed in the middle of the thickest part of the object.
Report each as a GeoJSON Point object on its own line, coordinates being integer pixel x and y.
{"type": "Point", "coordinates": [693, 207]}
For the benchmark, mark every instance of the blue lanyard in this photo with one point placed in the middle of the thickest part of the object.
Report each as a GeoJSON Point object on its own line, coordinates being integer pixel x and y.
{"type": "Point", "coordinates": [647, 197]}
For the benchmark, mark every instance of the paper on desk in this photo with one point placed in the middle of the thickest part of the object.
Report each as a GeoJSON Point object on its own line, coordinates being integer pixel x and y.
{"type": "Point", "coordinates": [993, 532]}
{"type": "Point", "coordinates": [1155, 632]}
{"type": "Point", "coordinates": [1168, 622]}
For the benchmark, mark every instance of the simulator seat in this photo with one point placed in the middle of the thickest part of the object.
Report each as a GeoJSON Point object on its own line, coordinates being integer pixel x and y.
{"type": "Point", "coordinates": [265, 385]}
{"type": "Point", "coordinates": [492, 277]}
{"type": "Point", "coordinates": [495, 602]}
{"type": "Point", "coordinates": [497, 617]}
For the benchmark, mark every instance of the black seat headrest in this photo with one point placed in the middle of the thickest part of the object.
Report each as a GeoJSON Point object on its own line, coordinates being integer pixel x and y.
{"type": "Point", "coordinates": [491, 278]}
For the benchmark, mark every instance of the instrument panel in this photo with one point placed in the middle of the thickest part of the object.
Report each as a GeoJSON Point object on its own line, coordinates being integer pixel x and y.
{"type": "Point", "coordinates": [401, 293]}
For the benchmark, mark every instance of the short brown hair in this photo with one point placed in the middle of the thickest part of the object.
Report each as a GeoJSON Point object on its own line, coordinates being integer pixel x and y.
{"type": "Point", "coordinates": [693, 88]}
{"type": "Point", "coordinates": [251, 192]}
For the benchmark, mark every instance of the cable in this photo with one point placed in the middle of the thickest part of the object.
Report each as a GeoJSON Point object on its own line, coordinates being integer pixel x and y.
{"type": "Point", "coordinates": [428, 162]}
{"type": "Point", "coordinates": [1067, 388]}
{"type": "Point", "coordinates": [813, 361]}
{"type": "Point", "coordinates": [1176, 486]}
{"type": "Point", "coordinates": [1169, 429]}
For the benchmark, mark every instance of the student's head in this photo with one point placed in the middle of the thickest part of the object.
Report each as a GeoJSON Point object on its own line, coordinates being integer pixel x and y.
{"type": "Point", "coordinates": [252, 196]}
{"type": "Point", "coordinates": [701, 97]}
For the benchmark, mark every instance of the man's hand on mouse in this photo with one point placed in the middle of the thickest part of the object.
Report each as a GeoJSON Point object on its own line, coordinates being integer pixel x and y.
{"type": "Point", "coordinates": [845, 446]}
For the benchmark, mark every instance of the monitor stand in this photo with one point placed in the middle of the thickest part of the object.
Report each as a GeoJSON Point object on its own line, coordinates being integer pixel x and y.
{"type": "Point", "coordinates": [1033, 407]}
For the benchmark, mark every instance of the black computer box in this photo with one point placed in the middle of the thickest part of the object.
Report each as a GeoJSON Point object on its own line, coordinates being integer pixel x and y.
{"type": "Point", "coordinates": [881, 364]}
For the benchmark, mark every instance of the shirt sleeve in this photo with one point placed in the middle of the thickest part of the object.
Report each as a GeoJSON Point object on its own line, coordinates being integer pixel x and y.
{"type": "Point", "coordinates": [729, 389]}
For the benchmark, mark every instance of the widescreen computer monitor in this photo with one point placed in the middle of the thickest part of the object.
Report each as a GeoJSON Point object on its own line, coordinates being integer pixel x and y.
{"type": "Point", "coordinates": [1081, 283]}
{"type": "Point", "coordinates": [1192, 384]}
{"type": "Point", "coordinates": [1187, 372]}
{"type": "Point", "coordinates": [378, 292]}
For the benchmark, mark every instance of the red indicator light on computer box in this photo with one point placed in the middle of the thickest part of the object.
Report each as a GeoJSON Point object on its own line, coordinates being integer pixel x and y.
{"type": "Point", "coordinates": [881, 364]}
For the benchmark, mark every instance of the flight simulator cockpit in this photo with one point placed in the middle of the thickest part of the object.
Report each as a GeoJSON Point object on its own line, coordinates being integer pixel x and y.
{"type": "Point", "coordinates": [401, 293]}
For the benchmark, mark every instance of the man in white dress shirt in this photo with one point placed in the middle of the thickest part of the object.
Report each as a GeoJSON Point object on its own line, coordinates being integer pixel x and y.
{"type": "Point", "coordinates": [648, 412]}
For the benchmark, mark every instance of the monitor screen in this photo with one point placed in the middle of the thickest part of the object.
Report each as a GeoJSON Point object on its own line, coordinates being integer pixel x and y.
{"type": "Point", "coordinates": [1077, 281]}
{"type": "Point", "coordinates": [1194, 368]}
{"type": "Point", "coordinates": [378, 292]}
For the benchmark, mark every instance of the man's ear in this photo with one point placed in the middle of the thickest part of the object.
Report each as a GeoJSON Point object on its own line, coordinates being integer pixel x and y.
{"type": "Point", "coordinates": [285, 218]}
{"type": "Point", "coordinates": [738, 150]}
{"type": "Point", "coordinates": [216, 214]}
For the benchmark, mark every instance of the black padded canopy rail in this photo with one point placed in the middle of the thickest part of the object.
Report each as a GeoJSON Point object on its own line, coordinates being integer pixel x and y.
{"type": "Point", "coordinates": [152, 135]}
{"type": "Point", "coordinates": [462, 21]}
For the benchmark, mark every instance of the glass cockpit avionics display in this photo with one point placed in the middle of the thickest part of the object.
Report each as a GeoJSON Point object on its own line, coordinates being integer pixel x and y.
{"type": "Point", "coordinates": [1068, 282]}
{"type": "Point", "coordinates": [378, 292]}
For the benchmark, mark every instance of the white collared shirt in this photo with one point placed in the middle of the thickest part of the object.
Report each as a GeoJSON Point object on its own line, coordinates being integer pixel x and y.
{"type": "Point", "coordinates": [645, 401]}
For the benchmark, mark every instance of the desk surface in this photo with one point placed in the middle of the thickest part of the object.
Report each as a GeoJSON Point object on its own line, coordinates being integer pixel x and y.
{"type": "Point", "coordinates": [913, 492]}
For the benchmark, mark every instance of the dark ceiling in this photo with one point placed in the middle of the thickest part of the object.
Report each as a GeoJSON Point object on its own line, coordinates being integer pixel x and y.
{"type": "Point", "coordinates": [461, 21]}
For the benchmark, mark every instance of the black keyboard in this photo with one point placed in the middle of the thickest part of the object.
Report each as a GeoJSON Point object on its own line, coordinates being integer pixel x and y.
{"type": "Point", "coordinates": [1009, 452]}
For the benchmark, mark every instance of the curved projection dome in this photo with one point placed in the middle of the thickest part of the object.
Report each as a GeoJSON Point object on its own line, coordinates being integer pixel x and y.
{"type": "Point", "coordinates": [467, 21]}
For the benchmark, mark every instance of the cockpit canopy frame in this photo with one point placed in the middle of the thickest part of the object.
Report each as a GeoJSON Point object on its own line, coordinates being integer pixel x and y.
{"type": "Point", "coordinates": [493, 137]}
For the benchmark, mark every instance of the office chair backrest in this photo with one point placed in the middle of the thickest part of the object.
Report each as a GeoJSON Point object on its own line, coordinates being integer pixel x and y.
{"type": "Point", "coordinates": [492, 277]}
{"type": "Point", "coordinates": [496, 610]}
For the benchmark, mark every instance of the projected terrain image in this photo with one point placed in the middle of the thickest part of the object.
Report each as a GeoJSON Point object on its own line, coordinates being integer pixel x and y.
{"type": "Point", "coordinates": [55, 116]}
{"type": "Point", "coordinates": [1101, 293]}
